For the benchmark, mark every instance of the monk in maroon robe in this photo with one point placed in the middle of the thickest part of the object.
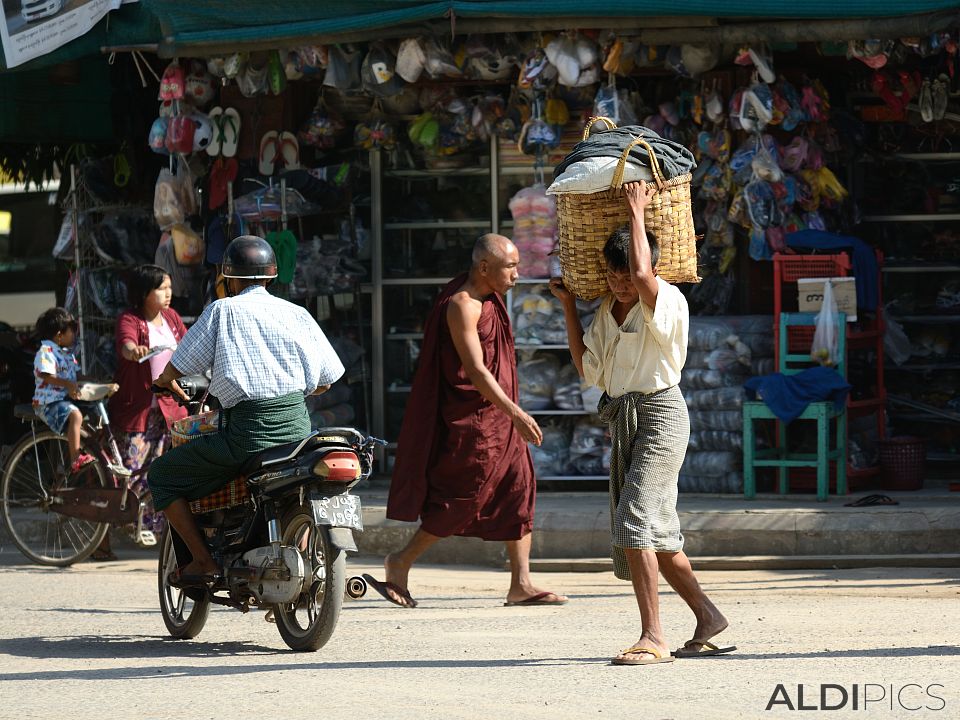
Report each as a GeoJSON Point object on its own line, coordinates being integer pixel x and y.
{"type": "Point", "coordinates": [463, 466]}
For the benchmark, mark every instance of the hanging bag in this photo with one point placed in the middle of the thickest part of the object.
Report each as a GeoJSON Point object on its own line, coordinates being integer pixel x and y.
{"type": "Point", "coordinates": [826, 342]}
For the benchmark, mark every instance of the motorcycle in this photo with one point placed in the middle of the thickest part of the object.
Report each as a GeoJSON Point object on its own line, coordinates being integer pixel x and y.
{"type": "Point", "coordinates": [280, 532]}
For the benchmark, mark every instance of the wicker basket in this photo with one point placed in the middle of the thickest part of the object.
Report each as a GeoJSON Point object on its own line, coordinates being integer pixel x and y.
{"type": "Point", "coordinates": [184, 430]}
{"type": "Point", "coordinates": [585, 221]}
{"type": "Point", "coordinates": [903, 461]}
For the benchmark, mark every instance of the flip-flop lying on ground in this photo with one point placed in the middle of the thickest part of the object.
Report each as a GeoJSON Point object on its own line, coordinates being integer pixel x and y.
{"type": "Point", "coordinates": [638, 650]}
{"type": "Point", "coordinates": [383, 587]}
{"type": "Point", "coordinates": [707, 649]}
{"type": "Point", "coordinates": [868, 500]}
{"type": "Point", "coordinates": [538, 599]}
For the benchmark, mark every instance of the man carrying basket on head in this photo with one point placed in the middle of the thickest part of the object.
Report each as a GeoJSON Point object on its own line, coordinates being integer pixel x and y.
{"type": "Point", "coordinates": [266, 355]}
{"type": "Point", "coordinates": [634, 352]}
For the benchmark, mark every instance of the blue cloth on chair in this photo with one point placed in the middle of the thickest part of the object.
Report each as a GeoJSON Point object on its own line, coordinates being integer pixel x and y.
{"type": "Point", "coordinates": [787, 396]}
{"type": "Point", "coordinates": [865, 268]}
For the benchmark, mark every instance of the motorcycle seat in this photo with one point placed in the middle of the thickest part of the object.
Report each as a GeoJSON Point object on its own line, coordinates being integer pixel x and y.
{"type": "Point", "coordinates": [274, 455]}
{"type": "Point", "coordinates": [24, 411]}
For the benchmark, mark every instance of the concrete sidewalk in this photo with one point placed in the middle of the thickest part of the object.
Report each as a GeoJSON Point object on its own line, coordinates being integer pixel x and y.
{"type": "Point", "coordinates": [576, 526]}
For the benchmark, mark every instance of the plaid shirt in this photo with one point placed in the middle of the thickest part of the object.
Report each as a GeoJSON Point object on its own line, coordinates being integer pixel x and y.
{"type": "Point", "coordinates": [259, 347]}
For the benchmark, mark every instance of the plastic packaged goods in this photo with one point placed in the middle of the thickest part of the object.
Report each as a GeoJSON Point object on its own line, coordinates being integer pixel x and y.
{"type": "Point", "coordinates": [537, 380]}
{"type": "Point", "coordinates": [589, 438]}
{"type": "Point", "coordinates": [551, 457]}
{"type": "Point", "coordinates": [725, 398]}
{"type": "Point", "coordinates": [719, 440]}
{"type": "Point", "coordinates": [707, 334]}
{"type": "Point", "coordinates": [731, 482]}
{"type": "Point", "coordinates": [762, 366]}
{"type": "Point", "coordinates": [710, 463]}
{"type": "Point", "coordinates": [566, 393]}
{"type": "Point", "coordinates": [702, 379]}
{"type": "Point", "coordinates": [731, 420]}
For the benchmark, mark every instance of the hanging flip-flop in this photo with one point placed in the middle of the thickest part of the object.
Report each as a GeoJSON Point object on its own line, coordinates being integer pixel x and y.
{"type": "Point", "coordinates": [268, 153]}
{"type": "Point", "coordinates": [121, 170]}
{"type": "Point", "coordinates": [289, 151]}
{"type": "Point", "coordinates": [230, 122]}
{"type": "Point", "coordinates": [216, 145]}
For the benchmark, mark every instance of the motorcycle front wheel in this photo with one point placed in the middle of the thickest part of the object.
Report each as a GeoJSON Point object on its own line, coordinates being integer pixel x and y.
{"type": "Point", "coordinates": [184, 612]}
{"type": "Point", "coordinates": [308, 623]}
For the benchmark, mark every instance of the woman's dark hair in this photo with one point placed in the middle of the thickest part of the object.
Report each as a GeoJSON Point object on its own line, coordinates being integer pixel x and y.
{"type": "Point", "coordinates": [53, 321]}
{"type": "Point", "coordinates": [144, 279]}
{"type": "Point", "coordinates": [616, 251]}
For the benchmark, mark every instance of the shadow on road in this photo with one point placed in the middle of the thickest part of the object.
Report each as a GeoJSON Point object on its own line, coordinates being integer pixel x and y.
{"type": "Point", "coordinates": [131, 647]}
{"type": "Point", "coordinates": [150, 648]}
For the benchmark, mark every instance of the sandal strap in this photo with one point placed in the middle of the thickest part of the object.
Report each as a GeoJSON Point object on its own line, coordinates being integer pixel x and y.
{"type": "Point", "coordinates": [637, 649]}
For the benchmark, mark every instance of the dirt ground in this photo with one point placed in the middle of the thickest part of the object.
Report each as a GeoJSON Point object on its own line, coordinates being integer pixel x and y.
{"type": "Point", "coordinates": [90, 640]}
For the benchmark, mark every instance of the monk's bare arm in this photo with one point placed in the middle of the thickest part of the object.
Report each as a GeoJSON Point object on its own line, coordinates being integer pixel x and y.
{"type": "Point", "coordinates": [463, 314]}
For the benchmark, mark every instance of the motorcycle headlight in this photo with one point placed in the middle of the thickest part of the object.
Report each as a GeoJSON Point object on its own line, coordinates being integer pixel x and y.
{"type": "Point", "coordinates": [338, 466]}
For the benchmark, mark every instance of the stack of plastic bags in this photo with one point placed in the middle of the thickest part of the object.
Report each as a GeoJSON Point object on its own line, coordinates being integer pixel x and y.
{"type": "Point", "coordinates": [534, 229]}
{"type": "Point", "coordinates": [719, 359]}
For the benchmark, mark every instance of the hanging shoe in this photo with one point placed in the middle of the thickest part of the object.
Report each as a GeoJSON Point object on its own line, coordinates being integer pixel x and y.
{"type": "Point", "coordinates": [926, 102]}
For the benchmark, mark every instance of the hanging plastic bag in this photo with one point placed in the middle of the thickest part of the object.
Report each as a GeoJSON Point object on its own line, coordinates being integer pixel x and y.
{"type": "Point", "coordinates": [825, 340]}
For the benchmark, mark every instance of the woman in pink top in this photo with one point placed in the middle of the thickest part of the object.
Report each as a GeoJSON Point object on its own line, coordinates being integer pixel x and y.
{"type": "Point", "coordinates": [141, 421]}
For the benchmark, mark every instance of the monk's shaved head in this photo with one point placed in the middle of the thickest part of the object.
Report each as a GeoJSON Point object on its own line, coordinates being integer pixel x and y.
{"type": "Point", "coordinates": [490, 246]}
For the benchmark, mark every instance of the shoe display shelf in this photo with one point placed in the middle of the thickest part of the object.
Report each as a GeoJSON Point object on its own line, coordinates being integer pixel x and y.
{"type": "Point", "coordinates": [921, 280]}
{"type": "Point", "coordinates": [424, 223]}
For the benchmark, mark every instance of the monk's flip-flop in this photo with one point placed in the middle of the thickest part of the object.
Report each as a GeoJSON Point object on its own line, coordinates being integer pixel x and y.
{"type": "Point", "coordinates": [707, 649]}
{"type": "Point", "coordinates": [657, 658]}
{"type": "Point", "coordinates": [383, 587]}
{"type": "Point", "coordinates": [538, 599]}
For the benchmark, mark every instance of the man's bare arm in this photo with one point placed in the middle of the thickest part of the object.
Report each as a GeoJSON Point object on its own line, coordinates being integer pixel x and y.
{"type": "Point", "coordinates": [463, 314]}
{"type": "Point", "coordinates": [642, 274]}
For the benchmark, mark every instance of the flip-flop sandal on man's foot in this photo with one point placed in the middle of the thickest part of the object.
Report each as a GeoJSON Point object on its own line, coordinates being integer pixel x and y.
{"type": "Point", "coordinates": [384, 587]}
{"type": "Point", "coordinates": [869, 500]}
{"type": "Point", "coordinates": [181, 580]}
{"type": "Point", "coordinates": [624, 659]}
{"type": "Point", "coordinates": [706, 649]}
{"type": "Point", "coordinates": [538, 599]}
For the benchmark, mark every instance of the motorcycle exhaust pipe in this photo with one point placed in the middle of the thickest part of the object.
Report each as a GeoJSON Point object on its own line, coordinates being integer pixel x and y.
{"type": "Point", "coordinates": [356, 587]}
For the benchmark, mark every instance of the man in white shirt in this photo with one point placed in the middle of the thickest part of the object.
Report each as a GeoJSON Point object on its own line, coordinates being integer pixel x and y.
{"type": "Point", "coordinates": [634, 351]}
{"type": "Point", "coordinates": [266, 355]}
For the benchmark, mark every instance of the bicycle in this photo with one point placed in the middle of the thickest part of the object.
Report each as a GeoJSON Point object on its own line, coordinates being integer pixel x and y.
{"type": "Point", "coordinates": [58, 518]}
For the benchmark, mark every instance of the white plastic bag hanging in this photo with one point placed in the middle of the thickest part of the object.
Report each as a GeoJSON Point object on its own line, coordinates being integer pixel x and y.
{"type": "Point", "coordinates": [825, 339]}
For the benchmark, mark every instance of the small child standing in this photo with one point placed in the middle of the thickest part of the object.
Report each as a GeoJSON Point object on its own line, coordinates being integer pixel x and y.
{"type": "Point", "coordinates": [55, 372]}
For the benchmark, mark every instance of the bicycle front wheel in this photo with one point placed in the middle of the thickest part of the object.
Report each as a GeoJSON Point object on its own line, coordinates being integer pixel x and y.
{"type": "Point", "coordinates": [36, 466]}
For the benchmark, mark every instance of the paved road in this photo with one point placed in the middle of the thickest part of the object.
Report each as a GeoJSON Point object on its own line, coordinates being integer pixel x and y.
{"type": "Point", "coordinates": [89, 640]}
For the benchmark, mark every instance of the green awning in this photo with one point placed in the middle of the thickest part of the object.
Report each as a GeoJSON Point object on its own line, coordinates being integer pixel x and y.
{"type": "Point", "coordinates": [216, 24]}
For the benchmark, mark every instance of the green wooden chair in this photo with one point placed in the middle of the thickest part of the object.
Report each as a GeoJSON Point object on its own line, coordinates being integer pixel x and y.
{"type": "Point", "coordinates": [821, 412]}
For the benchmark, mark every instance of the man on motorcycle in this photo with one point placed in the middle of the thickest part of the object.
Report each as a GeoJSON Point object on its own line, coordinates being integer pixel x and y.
{"type": "Point", "coordinates": [266, 355]}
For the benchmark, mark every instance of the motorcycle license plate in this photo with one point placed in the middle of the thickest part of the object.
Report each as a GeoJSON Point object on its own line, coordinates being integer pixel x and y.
{"type": "Point", "coordinates": [338, 511]}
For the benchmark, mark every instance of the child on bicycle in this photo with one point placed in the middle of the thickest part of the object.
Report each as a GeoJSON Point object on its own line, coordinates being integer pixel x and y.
{"type": "Point", "coordinates": [55, 372]}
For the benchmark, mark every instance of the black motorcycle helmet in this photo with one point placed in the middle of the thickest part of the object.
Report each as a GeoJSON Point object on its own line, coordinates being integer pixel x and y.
{"type": "Point", "coordinates": [249, 258]}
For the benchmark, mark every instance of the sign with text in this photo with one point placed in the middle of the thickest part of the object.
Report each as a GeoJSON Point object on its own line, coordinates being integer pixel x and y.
{"type": "Point", "coordinates": [32, 28]}
{"type": "Point", "coordinates": [810, 295]}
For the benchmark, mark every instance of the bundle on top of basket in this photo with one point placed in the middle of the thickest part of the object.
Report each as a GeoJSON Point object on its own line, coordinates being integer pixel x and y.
{"type": "Point", "coordinates": [591, 203]}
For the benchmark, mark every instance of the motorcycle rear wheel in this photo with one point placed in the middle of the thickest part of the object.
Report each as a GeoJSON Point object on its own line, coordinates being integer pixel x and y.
{"type": "Point", "coordinates": [308, 623]}
{"type": "Point", "coordinates": [36, 466]}
{"type": "Point", "coordinates": [183, 615]}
